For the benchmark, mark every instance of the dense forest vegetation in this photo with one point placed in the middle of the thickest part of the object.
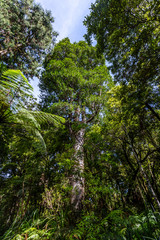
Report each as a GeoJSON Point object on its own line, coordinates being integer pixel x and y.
{"type": "Point", "coordinates": [83, 162]}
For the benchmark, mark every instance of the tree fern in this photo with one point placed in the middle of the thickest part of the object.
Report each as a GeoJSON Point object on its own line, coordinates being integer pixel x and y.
{"type": "Point", "coordinates": [14, 91]}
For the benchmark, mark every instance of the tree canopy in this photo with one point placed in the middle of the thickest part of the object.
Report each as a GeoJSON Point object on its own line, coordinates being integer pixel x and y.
{"type": "Point", "coordinates": [74, 77]}
{"type": "Point", "coordinates": [128, 33]}
{"type": "Point", "coordinates": [26, 35]}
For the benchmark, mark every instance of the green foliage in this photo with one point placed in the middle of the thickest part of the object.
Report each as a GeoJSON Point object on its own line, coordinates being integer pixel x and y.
{"type": "Point", "coordinates": [74, 84]}
{"type": "Point", "coordinates": [74, 77]}
{"type": "Point", "coordinates": [109, 140]}
{"type": "Point", "coordinates": [15, 90]}
{"type": "Point", "coordinates": [114, 226]}
{"type": "Point", "coordinates": [23, 144]}
{"type": "Point", "coordinates": [128, 34]}
{"type": "Point", "coordinates": [26, 35]}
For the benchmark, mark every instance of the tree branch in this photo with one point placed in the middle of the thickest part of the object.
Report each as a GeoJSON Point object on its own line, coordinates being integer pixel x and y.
{"type": "Point", "coordinates": [152, 110]}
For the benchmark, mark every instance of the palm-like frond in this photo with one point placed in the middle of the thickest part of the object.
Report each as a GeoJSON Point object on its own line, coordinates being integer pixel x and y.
{"type": "Point", "coordinates": [33, 120]}
{"type": "Point", "coordinates": [49, 119]}
{"type": "Point", "coordinates": [14, 90]}
{"type": "Point", "coordinates": [16, 80]}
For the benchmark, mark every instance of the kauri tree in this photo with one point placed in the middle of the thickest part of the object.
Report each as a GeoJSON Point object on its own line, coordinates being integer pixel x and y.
{"type": "Point", "coordinates": [74, 85]}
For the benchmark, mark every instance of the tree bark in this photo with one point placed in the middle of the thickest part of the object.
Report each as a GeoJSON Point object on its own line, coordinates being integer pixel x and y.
{"type": "Point", "coordinates": [77, 180]}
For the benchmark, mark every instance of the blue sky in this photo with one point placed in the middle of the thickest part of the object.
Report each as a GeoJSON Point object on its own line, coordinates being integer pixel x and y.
{"type": "Point", "coordinates": [69, 16]}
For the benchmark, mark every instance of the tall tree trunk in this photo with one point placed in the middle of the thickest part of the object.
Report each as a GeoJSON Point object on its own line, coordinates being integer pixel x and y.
{"type": "Point", "coordinates": [77, 180]}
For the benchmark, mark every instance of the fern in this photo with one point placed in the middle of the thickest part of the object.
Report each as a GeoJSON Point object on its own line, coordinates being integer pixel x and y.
{"type": "Point", "coordinates": [47, 118]}
{"type": "Point", "coordinates": [16, 80]}
{"type": "Point", "coordinates": [15, 90]}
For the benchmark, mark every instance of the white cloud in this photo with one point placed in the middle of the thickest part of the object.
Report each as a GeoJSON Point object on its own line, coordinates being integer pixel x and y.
{"type": "Point", "coordinates": [68, 18]}
{"type": "Point", "coordinates": [67, 14]}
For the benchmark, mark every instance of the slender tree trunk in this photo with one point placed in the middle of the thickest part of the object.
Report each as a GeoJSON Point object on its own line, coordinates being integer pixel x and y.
{"type": "Point", "coordinates": [77, 180]}
{"type": "Point", "coordinates": [154, 195]}
{"type": "Point", "coordinates": [142, 195]}
{"type": "Point", "coordinates": [143, 173]}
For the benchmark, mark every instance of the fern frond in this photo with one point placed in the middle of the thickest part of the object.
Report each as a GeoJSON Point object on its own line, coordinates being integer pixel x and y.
{"type": "Point", "coordinates": [26, 119]}
{"type": "Point", "coordinates": [14, 89]}
{"type": "Point", "coordinates": [16, 80]}
{"type": "Point", "coordinates": [49, 119]}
